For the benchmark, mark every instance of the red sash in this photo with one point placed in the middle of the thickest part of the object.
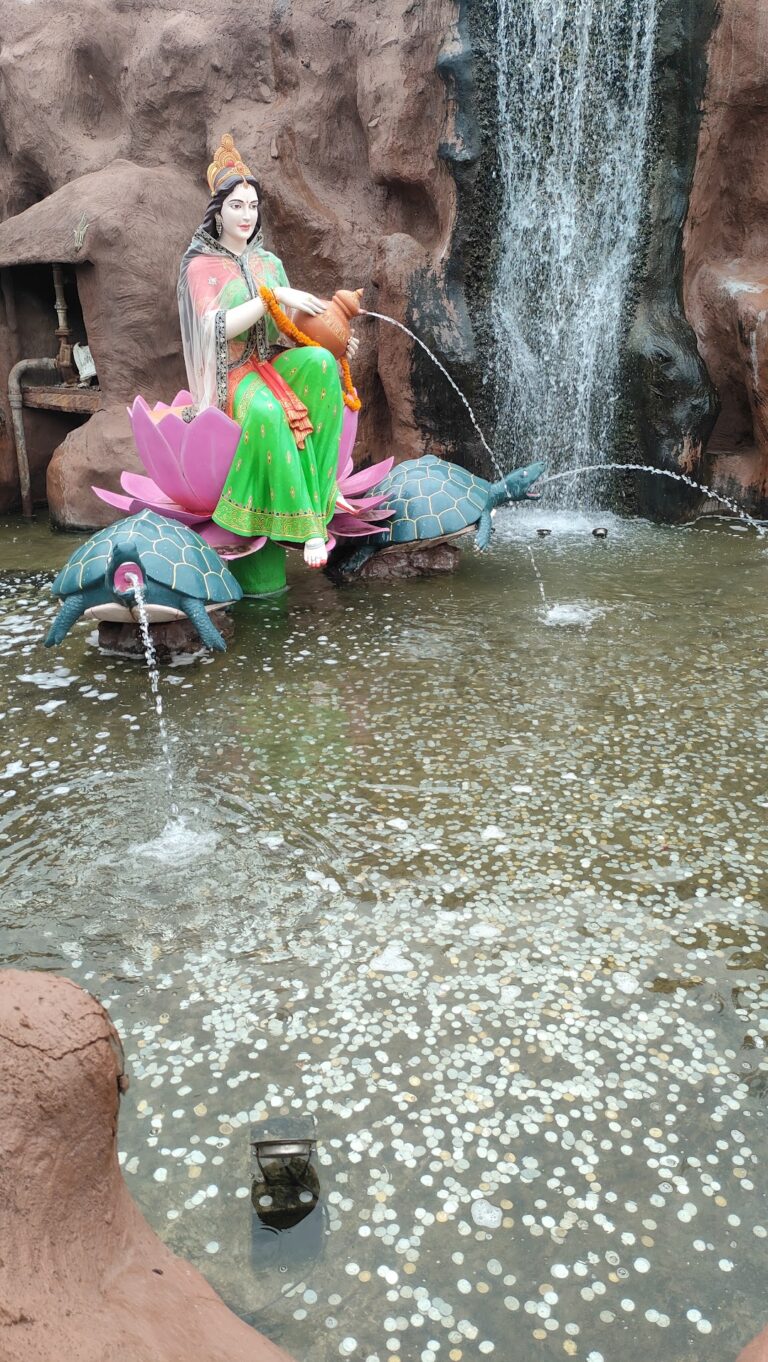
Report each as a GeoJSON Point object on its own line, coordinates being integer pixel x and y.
{"type": "Point", "coordinates": [296, 413]}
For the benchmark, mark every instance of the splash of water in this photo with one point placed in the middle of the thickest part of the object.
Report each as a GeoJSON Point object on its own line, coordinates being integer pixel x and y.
{"type": "Point", "coordinates": [574, 86]}
{"type": "Point", "coordinates": [659, 473]}
{"type": "Point", "coordinates": [572, 613]}
{"type": "Point", "coordinates": [178, 844]}
{"type": "Point", "coordinates": [154, 681]}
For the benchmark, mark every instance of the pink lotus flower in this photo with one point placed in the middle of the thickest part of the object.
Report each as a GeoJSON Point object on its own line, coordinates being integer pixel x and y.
{"type": "Point", "coordinates": [188, 461]}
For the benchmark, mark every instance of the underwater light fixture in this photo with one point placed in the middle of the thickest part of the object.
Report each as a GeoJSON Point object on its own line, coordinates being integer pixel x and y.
{"type": "Point", "coordinates": [285, 1187]}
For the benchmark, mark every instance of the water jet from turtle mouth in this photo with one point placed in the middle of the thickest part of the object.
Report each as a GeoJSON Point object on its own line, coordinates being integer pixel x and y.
{"type": "Point", "coordinates": [126, 578]}
{"type": "Point", "coordinates": [136, 585]}
{"type": "Point", "coordinates": [660, 473]}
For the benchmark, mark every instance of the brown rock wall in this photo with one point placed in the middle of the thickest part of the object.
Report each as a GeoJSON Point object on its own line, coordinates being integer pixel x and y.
{"type": "Point", "coordinates": [726, 279]}
{"type": "Point", "coordinates": [110, 114]}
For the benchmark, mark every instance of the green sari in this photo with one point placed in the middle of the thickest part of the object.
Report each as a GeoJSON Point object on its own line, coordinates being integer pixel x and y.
{"type": "Point", "coordinates": [282, 480]}
{"type": "Point", "coordinates": [274, 487]}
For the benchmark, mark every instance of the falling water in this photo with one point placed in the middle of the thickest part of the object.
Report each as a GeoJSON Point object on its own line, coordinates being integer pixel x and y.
{"type": "Point", "coordinates": [574, 82]}
{"type": "Point", "coordinates": [154, 681]}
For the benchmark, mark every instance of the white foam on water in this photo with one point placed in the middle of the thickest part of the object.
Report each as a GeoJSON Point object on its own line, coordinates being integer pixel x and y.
{"type": "Point", "coordinates": [626, 983]}
{"type": "Point", "coordinates": [178, 844]}
{"type": "Point", "coordinates": [573, 613]}
{"type": "Point", "coordinates": [53, 680]}
{"type": "Point", "coordinates": [486, 1215]}
{"type": "Point", "coordinates": [50, 706]}
{"type": "Point", "coordinates": [542, 527]}
{"type": "Point", "coordinates": [391, 961]}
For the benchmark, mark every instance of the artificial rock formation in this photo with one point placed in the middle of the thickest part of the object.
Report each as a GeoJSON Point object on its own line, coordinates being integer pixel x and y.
{"type": "Point", "coordinates": [726, 279]}
{"type": "Point", "coordinates": [122, 276]}
{"type": "Point", "coordinates": [109, 116]}
{"type": "Point", "coordinates": [674, 403]}
{"type": "Point", "coordinates": [83, 1278]}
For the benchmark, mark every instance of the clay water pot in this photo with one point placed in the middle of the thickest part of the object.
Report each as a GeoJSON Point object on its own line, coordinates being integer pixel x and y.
{"type": "Point", "coordinates": [332, 328]}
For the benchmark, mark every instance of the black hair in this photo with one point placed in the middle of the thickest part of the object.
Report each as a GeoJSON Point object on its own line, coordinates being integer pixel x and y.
{"type": "Point", "coordinates": [214, 204]}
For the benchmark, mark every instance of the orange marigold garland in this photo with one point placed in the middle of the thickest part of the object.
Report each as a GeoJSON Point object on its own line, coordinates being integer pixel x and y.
{"type": "Point", "coordinates": [283, 323]}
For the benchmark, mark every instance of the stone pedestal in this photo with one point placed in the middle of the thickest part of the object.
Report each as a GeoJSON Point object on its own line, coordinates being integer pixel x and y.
{"type": "Point", "coordinates": [428, 560]}
{"type": "Point", "coordinates": [174, 639]}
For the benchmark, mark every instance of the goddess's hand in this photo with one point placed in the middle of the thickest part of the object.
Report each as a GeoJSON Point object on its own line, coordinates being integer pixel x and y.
{"type": "Point", "coordinates": [303, 302]}
{"type": "Point", "coordinates": [352, 348]}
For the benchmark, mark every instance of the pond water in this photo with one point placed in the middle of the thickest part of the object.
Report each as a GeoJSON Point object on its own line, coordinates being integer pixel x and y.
{"type": "Point", "coordinates": [473, 876]}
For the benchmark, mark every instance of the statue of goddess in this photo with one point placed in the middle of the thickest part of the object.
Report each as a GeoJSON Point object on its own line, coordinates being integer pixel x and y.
{"type": "Point", "coordinates": [287, 402]}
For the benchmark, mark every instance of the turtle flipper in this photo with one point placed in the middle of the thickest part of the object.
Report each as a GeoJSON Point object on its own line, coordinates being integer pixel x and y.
{"type": "Point", "coordinates": [358, 559]}
{"type": "Point", "coordinates": [484, 527]}
{"type": "Point", "coordinates": [196, 612]}
{"type": "Point", "coordinates": [70, 610]}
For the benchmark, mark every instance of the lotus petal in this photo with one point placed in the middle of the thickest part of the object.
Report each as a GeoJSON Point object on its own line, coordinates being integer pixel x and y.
{"type": "Point", "coordinates": [114, 499]}
{"type": "Point", "coordinates": [173, 429]}
{"type": "Point", "coordinates": [376, 513]}
{"type": "Point", "coordinates": [157, 455]}
{"type": "Point", "coordinates": [207, 450]}
{"type": "Point", "coordinates": [146, 489]}
{"type": "Point", "coordinates": [226, 544]}
{"type": "Point", "coordinates": [182, 399]}
{"type": "Point", "coordinates": [365, 504]}
{"type": "Point", "coordinates": [146, 496]}
{"type": "Point", "coordinates": [146, 501]}
{"type": "Point", "coordinates": [349, 527]}
{"type": "Point", "coordinates": [367, 477]}
{"type": "Point", "coordinates": [348, 435]}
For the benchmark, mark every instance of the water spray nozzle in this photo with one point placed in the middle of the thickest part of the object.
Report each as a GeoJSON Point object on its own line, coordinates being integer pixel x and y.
{"type": "Point", "coordinates": [128, 576]}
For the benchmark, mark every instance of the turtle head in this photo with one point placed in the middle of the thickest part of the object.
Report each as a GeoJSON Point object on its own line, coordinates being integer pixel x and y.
{"type": "Point", "coordinates": [124, 573]}
{"type": "Point", "coordinates": [518, 485]}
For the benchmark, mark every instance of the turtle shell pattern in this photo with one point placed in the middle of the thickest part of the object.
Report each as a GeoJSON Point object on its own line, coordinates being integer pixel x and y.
{"type": "Point", "coordinates": [170, 554]}
{"type": "Point", "coordinates": [430, 499]}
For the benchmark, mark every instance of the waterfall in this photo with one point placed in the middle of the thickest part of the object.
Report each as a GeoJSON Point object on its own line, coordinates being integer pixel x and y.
{"type": "Point", "coordinates": [574, 95]}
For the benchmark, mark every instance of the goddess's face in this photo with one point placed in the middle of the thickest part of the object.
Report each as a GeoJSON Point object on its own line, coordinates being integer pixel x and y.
{"type": "Point", "coordinates": [239, 212]}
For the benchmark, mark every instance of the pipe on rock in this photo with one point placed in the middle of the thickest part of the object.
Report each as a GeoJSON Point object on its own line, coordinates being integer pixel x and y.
{"type": "Point", "coordinates": [16, 401]}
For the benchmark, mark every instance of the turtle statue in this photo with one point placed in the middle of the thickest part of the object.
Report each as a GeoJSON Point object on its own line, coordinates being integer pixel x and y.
{"type": "Point", "coordinates": [177, 572]}
{"type": "Point", "coordinates": [433, 501]}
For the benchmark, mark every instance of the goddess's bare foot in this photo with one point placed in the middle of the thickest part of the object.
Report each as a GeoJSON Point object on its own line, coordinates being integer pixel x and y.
{"type": "Point", "coordinates": [315, 553]}
{"type": "Point", "coordinates": [343, 505]}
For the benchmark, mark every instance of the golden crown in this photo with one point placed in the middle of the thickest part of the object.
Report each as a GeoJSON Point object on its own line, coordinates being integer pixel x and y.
{"type": "Point", "coordinates": [226, 162]}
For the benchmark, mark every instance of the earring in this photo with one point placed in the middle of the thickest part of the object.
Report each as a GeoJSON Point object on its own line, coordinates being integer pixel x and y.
{"type": "Point", "coordinates": [218, 222]}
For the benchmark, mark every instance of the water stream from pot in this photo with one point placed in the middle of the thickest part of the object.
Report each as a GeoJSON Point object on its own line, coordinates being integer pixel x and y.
{"type": "Point", "coordinates": [381, 317]}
